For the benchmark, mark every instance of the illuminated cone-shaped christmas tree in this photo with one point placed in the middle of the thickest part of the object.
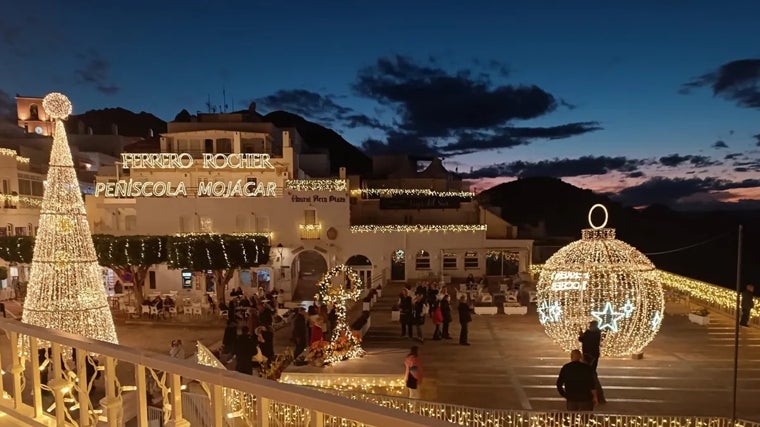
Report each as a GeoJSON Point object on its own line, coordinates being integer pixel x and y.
{"type": "Point", "coordinates": [65, 290]}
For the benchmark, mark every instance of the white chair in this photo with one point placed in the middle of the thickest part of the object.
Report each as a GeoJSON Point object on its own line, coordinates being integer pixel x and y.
{"type": "Point", "coordinates": [153, 311]}
{"type": "Point", "coordinates": [145, 309]}
{"type": "Point", "coordinates": [486, 298]}
{"type": "Point", "coordinates": [503, 288]}
{"type": "Point", "coordinates": [172, 311]}
{"type": "Point", "coordinates": [131, 311]}
{"type": "Point", "coordinates": [197, 311]}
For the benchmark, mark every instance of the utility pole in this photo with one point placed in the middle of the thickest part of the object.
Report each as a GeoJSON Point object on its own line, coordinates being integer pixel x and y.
{"type": "Point", "coordinates": [737, 310]}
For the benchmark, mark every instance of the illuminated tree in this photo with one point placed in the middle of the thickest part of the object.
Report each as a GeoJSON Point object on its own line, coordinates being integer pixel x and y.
{"type": "Point", "coordinates": [131, 256]}
{"type": "Point", "coordinates": [220, 253]}
{"type": "Point", "coordinates": [65, 290]}
{"type": "Point", "coordinates": [344, 344]}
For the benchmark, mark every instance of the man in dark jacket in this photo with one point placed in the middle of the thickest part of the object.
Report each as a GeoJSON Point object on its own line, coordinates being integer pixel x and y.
{"type": "Point", "coordinates": [748, 302]}
{"type": "Point", "coordinates": [465, 317]}
{"type": "Point", "coordinates": [446, 311]}
{"type": "Point", "coordinates": [591, 340]}
{"type": "Point", "coordinates": [245, 348]}
{"type": "Point", "coordinates": [406, 307]}
{"type": "Point", "coordinates": [300, 331]}
{"type": "Point", "coordinates": [576, 384]}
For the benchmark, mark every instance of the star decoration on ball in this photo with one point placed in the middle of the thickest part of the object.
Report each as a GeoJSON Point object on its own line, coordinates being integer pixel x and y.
{"type": "Point", "coordinates": [549, 312]}
{"type": "Point", "coordinates": [656, 320]}
{"type": "Point", "coordinates": [628, 308]}
{"type": "Point", "coordinates": [608, 317]}
{"type": "Point", "coordinates": [57, 106]}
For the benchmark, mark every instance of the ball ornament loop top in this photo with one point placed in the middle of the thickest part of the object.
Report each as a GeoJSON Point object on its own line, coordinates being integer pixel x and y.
{"type": "Point", "coordinates": [606, 216]}
{"type": "Point", "coordinates": [57, 106]}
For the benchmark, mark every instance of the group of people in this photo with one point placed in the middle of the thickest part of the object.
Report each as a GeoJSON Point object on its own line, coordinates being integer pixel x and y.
{"type": "Point", "coordinates": [430, 301]}
{"type": "Point", "coordinates": [578, 381]}
{"type": "Point", "coordinates": [254, 346]}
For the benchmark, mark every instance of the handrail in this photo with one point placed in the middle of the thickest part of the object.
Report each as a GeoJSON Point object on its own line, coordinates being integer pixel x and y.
{"type": "Point", "coordinates": [366, 413]}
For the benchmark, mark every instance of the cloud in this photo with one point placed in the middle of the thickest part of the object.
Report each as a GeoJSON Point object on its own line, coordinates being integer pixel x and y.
{"type": "Point", "coordinates": [94, 71]}
{"type": "Point", "coordinates": [737, 81]}
{"type": "Point", "coordinates": [731, 156]}
{"type": "Point", "coordinates": [719, 144]}
{"type": "Point", "coordinates": [558, 168]}
{"type": "Point", "coordinates": [674, 160]}
{"type": "Point", "coordinates": [757, 139]}
{"type": "Point", "coordinates": [401, 143]}
{"type": "Point", "coordinates": [461, 111]}
{"type": "Point", "coordinates": [316, 106]}
{"type": "Point", "coordinates": [670, 190]}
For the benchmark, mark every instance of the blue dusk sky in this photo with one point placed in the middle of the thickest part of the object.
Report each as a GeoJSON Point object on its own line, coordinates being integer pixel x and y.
{"type": "Point", "coordinates": [654, 101]}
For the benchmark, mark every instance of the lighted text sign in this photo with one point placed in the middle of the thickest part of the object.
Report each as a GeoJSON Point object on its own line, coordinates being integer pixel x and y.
{"type": "Point", "coordinates": [239, 188]}
{"type": "Point", "coordinates": [318, 199]}
{"type": "Point", "coordinates": [186, 160]}
{"type": "Point", "coordinates": [569, 281]}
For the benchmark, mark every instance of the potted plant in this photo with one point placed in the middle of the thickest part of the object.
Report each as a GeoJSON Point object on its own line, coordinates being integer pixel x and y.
{"type": "Point", "coordinates": [395, 313]}
{"type": "Point", "coordinates": [700, 316]}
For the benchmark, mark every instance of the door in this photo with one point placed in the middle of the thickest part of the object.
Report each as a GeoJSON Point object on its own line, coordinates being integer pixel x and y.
{"type": "Point", "coordinates": [398, 265]}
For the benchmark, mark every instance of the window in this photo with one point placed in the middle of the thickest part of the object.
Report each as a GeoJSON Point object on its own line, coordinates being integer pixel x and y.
{"type": "Point", "coordinates": [152, 280]}
{"type": "Point", "coordinates": [21, 231]}
{"type": "Point", "coordinates": [310, 216]}
{"type": "Point", "coordinates": [471, 260]}
{"type": "Point", "coordinates": [422, 260]}
{"type": "Point", "coordinates": [449, 261]}
{"type": "Point", "coordinates": [262, 224]}
{"type": "Point", "coordinates": [6, 190]}
{"type": "Point", "coordinates": [224, 145]}
{"type": "Point", "coordinates": [34, 112]}
{"type": "Point", "coordinates": [208, 145]}
{"type": "Point", "coordinates": [251, 145]}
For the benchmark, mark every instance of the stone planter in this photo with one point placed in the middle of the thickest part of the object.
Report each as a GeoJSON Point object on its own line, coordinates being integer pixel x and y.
{"type": "Point", "coordinates": [395, 315]}
{"type": "Point", "coordinates": [699, 320]}
{"type": "Point", "coordinates": [519, 309]}
{"type": "Point", "coordinates": [491, 309]}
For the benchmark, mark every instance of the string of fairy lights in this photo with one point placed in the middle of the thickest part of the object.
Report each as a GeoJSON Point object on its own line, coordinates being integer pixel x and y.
{"type": "Point", "coordinates": [65, 289]}
{"type": "Point", "coordinates": [12, 153]}
{"type": "Point", "coordinates": [316, 184]}
{"type": "Point", "coordinates": [418, 228]}
{"type": "Point", "coordinates": [371, 193]}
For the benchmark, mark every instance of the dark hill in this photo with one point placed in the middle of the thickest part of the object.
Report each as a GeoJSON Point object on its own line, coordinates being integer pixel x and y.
{"type": "Point", "coordinates": [564, 210]}
{"type": "Point", "coordinates": [128, 123]}
{"type": "Point", "coordinates": [321, 139]}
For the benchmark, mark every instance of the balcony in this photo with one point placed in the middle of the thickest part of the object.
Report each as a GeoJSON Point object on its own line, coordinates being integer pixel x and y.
{"type": "Point", "coordinates": [310, 231]}
{"type": "Point", "coordinates": [270, 403]}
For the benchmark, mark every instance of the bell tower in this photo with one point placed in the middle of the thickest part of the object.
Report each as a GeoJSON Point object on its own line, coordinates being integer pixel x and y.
{"type": "Point", "coordinates": [31, 116]}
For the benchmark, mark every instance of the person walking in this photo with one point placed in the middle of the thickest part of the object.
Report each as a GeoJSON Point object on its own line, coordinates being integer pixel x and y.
{"type": "Point", "coordinates": [413, 374]}
{"type": "Point", "coordinates": [300, 333]}
{"type": "Point", "coordinates": [420, 311]}
{"type": "Point", "coordinates": [465, 317]}
{"type": "Point", "coordinates": [446, 312]}
{"type": "Point", "coordinates": [591, 340]}
{"type": "Point", "coordinates": [576, 384]}
{"type": "Point", "coordinates": [748, 301]}
{"type": "Point", "coordinates": [406, 307]}
{"type": "Point", "coordinates": [437, 321]}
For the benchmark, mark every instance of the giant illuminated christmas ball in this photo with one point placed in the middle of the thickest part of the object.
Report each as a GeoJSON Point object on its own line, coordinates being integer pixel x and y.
{"type": "Point", "coordinates": [604, 279]}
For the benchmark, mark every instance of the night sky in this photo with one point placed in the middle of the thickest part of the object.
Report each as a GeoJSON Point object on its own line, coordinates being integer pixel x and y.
{"type": "Point", "coordinates": [655, 102]}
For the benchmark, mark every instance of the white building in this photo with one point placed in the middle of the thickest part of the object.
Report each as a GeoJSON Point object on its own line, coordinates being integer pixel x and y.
{"type": "Point", "coordinates": [228, 173]}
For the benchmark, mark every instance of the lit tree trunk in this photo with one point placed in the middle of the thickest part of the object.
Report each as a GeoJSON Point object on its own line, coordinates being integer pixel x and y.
{"type": "Point", "coordinates": [221, 279]}
{"type": "Point", "coordinates": [138, 274]}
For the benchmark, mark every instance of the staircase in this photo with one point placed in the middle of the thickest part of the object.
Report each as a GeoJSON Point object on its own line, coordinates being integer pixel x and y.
{"type": "Point", "coordinates": [384, 333]}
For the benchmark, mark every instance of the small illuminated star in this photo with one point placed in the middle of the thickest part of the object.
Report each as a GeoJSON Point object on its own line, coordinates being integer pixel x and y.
{"type": "Point", "coordinates": [608, 317]}
{"type": "Point", "coordinates": [549, 312]}
{"type": "Point", "coordinates": [656, 320]}
{"type": "Point", "coordinates": [628, 308]}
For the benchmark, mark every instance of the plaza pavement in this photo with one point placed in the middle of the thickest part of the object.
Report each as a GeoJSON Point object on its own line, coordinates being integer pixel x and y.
{"type": "Point", "coordinates": [512, 364]}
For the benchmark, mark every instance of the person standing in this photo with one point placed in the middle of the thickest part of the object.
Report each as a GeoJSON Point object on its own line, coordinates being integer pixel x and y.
{"type": "Point", "coordinates": [437, 320]}
{"type": "Point", "coordinates": [420, 311]}
{"type": "Point", "coordinates": [413, 374]}
{"type": "Point", "coordinates": [576, 384]}
{"type": "Point", "coordinates": [591, 340]}
{"type": "Point", "coordinates": [446, 312]}
{"type": "Point", "coordinates": [245, 348]}
{"type": "Point", "coordinates": [300, 331]}
{"type": "Point", "coordinates": [405, 307]}
{"type": "Point", "coordinates": [465, 317]}
{"type": "Point", "coordinates": [748, 301]}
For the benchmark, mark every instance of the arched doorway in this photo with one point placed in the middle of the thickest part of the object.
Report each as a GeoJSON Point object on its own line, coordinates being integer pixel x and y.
{"type": "Point", "coordinates": [308, 268]}
{"type": "Point", "coordinates": [363, 267]}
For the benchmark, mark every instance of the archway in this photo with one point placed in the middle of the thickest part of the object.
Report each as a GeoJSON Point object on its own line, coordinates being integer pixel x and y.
{"type": "Point", "coordinates": [398, 265]}
{"type": "Point", "coordinates": [363, 267]}
{"type": "Point", "coordinates": [308, 268]}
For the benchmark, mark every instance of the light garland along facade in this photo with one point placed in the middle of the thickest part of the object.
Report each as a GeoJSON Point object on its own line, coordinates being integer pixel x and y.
{"type": "Point", "coordinates": [227, 174]}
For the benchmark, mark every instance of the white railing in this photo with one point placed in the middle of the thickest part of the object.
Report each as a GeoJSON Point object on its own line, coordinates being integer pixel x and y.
{"type": "Point", "coordinates": [70, 383]}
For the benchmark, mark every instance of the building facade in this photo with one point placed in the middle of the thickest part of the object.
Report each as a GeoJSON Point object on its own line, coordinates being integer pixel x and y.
{"type": "Point", "coordinates": [222, 174]}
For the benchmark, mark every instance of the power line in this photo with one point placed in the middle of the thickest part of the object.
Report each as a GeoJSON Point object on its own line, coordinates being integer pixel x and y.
{"type": "Point", "coordinates": [704, 242]}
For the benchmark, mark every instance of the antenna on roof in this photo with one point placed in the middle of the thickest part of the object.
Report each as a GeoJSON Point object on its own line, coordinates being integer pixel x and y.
{"type": "Point", "coordinates": [208, 103]}
{"type": "Point", "coordinates": [224, 99]}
